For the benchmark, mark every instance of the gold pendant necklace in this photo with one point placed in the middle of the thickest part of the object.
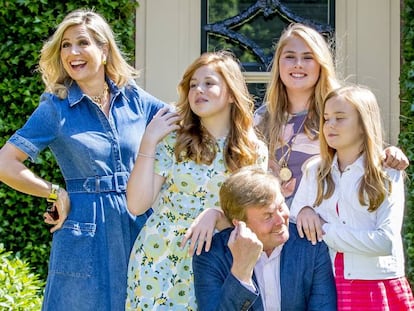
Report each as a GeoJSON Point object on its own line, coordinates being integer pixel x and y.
{"type": "Point", "coordinates": [285, 173]}
{"type": "Point", "coordinates": [100, 100]}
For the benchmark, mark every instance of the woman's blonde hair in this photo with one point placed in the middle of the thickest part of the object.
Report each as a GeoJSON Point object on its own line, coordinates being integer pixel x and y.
{"type": "Point", "coordinates": [50, 65]}
{"type": "Point", "coordinates": [193, 141]}
{"type": "Point", "coordinates": [374, 183]}
{"type": "Point", "coordinates": [276, 99]}
{"type": "Point", "coordinates": [250, 186]}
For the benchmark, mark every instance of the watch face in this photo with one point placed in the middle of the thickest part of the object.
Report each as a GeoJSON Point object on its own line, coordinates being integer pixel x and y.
{"type": "Point", "coordinates": [52, 211]}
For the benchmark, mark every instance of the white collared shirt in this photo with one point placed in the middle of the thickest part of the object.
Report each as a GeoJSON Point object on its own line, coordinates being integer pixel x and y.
{"type": "Point", "coordinates": [267, 272]}
{"type": "Point", "coordinates": [371, 241]}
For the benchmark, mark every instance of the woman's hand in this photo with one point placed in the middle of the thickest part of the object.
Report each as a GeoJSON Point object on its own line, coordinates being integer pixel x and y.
{"type": "Point", "coordinates": [62, 206]}
{"type": "Point", "coordinates": [395, 158]}
{"type": "Point", "coordinates": [201, 230]}
{"type": "Point", "coordinates": [164, 122]}
{"type": "Point", "coordinates": [309, 224]}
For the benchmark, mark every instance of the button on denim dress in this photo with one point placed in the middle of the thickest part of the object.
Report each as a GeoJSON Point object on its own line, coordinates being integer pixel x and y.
{"type": "Point", "coordinates": [89, 255]}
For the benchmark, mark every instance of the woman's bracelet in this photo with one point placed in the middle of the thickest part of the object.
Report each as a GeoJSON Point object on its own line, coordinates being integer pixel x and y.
{"type": "Point", "coordinates": [146, 155]}
{"type": "Point", "coordinates": [54, 193]}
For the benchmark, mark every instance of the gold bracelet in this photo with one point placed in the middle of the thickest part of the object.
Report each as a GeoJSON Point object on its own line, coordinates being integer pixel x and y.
{"type": "Point", "coordinates": [53, 196]}
{"type": "Point", "coordinates": [146, 155]}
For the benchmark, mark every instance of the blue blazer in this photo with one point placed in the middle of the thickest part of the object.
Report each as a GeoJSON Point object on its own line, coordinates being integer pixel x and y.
{"type": "Point", "coordinates": [306, 277]}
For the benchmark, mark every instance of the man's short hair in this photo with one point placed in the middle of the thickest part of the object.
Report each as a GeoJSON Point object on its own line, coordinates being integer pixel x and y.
{"type": "Point", "coordinates": [249, 186]}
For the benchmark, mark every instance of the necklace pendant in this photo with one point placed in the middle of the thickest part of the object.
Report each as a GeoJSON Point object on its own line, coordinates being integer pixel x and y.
{"type": "Point", "coordinates": [100, 100]}
{"type": "Point", "coordinates": [285, 173]}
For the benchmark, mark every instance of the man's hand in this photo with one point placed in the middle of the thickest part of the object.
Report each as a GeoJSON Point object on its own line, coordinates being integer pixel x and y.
{"type": "Point", "coordinates": [246, 249]}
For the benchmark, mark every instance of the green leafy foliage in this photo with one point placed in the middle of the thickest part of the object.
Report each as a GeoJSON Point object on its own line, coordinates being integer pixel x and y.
{"type": "Point", "coordinates": [406, 137]}
{"type": "Point", "coordinates": [26, 24]}
{"type": "Point", "coordinates": [20, 288]}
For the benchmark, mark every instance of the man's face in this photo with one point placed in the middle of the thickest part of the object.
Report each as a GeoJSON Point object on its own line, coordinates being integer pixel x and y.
{"type": "Point", "coordinates": [271, 224]}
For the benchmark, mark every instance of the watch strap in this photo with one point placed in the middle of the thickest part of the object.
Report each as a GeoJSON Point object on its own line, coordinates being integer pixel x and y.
{"type": "Point", "coordinates": [53, 196]}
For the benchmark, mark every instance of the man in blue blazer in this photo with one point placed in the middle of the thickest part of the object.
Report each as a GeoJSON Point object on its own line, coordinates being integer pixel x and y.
{"type": "Point", "coordinates": [261, 263]}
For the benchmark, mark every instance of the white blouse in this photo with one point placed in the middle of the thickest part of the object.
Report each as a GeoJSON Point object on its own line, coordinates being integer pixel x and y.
{"type": "Point", "coordinates": [371, 241]}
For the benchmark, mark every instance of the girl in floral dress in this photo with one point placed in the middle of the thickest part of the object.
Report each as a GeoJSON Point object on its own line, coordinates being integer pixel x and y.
{"type": "Point", "coordinates": [178, 172]}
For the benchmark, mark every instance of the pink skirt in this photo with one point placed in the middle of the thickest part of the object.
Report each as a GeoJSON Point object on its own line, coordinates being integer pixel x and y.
{"type": "Point", "coordinates": [371, 295]}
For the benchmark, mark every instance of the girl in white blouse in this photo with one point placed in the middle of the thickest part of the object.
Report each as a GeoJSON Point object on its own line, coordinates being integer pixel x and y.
{"type": "Point", "coordinates": [359, 203]}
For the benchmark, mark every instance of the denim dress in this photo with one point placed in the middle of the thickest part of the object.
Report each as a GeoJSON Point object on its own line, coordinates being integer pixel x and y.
{"type": "Point", "coordinates": [89, 254]}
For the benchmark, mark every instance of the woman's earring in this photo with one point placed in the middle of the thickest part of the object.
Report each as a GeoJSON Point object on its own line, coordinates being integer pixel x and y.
{"type": "Point", "coordinates": [104, 61]}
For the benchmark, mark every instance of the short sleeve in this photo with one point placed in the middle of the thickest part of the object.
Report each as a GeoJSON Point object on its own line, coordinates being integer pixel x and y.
{"type": "Point", "coordinates": [149, 103]}
{"type": "Point", "coordinates": [259, 114]}
{"type": "Point", "coordinates": [263, 153]}
{"type": "Point", "coordinates": [40, 130]}
{"type": "Point", "coordinates": [164, 155]}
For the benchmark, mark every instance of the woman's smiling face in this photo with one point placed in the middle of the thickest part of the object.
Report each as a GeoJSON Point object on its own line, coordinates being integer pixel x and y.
{"type": "Point", "coordinates": [81, 57]}
{"type": "Point", "coordinates": [299, 70]}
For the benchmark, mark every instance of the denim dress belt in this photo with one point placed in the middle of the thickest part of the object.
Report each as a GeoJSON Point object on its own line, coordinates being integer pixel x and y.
{"type": "Point", "coordinates": [108, 183]}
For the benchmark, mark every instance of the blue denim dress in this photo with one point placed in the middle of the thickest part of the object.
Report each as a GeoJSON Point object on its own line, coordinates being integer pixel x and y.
{"type": "Point", "coordinates": [89, 255]}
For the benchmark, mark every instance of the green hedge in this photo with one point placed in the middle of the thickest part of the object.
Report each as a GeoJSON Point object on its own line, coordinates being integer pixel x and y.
{"type": "Point", "coordinates": [26, 24]}
{"type": "Point", "coordinates": [406, 137]}
{"type": "Point", "coordinates": [20, 288]}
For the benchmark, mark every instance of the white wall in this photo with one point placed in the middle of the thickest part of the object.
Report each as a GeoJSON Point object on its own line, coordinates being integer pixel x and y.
{"type": "Point", "coordinates": [368, 52]}
{"type": "Point", "coordinates": [368, 48]}
{"type": "Point", "coordinates": [168, 40]}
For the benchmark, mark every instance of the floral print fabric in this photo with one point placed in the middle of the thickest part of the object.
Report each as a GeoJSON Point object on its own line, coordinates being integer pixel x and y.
{"type": "Point", "coordinates": [160, 271]}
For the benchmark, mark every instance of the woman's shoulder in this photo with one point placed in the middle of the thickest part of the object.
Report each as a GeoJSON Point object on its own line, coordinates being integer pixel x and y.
{"type": "Point", "coordinates": [171, 138]}
{"type": "Point", "coordinates": [255, 138]}
{"type": "Point", "coordinates": [259, 114]}
{"type": "Point", "coordinates": [261, 146]}
{"type": "Point", "coordinates": [311, 165]}
{"type": "Point", "coordinates": [169, 141]}
{"type": "Point", "coordinates": [51, 100]}
{"type": "Point", "coordinates": [394, 175]}
{"type": "Point", "coordinates": [132, 90]}
{"type": "Point", "coordinates": [261, 110]}
{"type": "Point", "coordinates": [48, 96]}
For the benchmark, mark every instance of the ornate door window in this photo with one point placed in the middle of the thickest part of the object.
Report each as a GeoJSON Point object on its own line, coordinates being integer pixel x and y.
{"type": "Point", "coordinates": [250, 29]}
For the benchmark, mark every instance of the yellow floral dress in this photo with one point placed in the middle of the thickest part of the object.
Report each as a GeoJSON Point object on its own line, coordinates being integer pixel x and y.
{"type": "Point", "coordinates": [160, 271]}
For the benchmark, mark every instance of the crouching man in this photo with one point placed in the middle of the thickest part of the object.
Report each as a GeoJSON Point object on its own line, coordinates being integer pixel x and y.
{"type": "Point", "coordinates": [261, 263]}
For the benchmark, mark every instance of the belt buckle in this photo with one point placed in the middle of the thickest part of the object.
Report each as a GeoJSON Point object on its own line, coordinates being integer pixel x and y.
{"type": "Point", "coordinates": [97, 183]}
{"type": "Point", "coordinates": [120, 181]}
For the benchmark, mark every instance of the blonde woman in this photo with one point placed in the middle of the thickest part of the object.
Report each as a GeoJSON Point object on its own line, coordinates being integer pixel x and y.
{"type": "Point", "coordinates": [92, 117]}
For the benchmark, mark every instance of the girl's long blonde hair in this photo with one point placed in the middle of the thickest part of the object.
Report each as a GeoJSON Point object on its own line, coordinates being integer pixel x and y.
{"type": "Point", "coordinates": [50, 65]}
{"type": "Point", "coordinates": [374, 184]}
{"type": "Point", "coordinates": [193, 141]}
{"type": "Point", "coordinates": [276, 99]}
